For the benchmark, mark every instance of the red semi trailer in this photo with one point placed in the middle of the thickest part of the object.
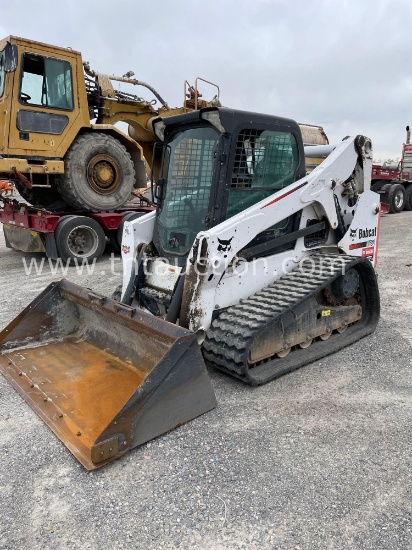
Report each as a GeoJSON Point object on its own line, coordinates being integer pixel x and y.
{"type": "Point", "coordinates": [66, 235]}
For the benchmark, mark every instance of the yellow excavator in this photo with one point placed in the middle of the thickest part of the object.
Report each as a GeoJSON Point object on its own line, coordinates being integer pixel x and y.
{"type": "Point", "coordinates": [249, 265]}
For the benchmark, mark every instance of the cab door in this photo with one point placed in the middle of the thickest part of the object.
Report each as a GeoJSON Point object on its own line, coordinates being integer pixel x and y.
{"type": "Point", "coordinates": [45, 112]}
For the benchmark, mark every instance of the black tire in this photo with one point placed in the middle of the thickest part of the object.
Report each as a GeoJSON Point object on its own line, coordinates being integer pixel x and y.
{"type": "Point", "coordinates": [408, 197]}
{"type": "Point", "coordinates": [128, 217]}
{"type": "Point", "coordinates": [396, 198]}
{"type": "Point", "coordinates": [115, 236]}
{"type": "Point", "coordinates": [99, 173]}
{"type": "Point", "coordinates": [114, 242]}
{"type": "Point", "coordinates": [79, 238]}
{"type": "Point", "coordinates": [39, 197]}
{"type": "Point", "coordinates": [376, 185]}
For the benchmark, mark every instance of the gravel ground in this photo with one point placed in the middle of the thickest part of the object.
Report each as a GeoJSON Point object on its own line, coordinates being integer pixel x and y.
{"type": "Point", "coordinates": [318, 459]}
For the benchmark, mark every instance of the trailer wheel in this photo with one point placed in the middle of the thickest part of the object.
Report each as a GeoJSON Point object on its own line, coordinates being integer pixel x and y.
{"type": "Point", "coordinates": [99, 173]}
{"type": "Point", "coordinates": [114, 242]}
{"type": "Point", "coordinates": [128, 217]}
{"type": "Point", "coordinates": [79, 237]}
{"type": "Point", "coordinates": [396, 198]}
{"type": "Point", "coordinates": [408, 197]}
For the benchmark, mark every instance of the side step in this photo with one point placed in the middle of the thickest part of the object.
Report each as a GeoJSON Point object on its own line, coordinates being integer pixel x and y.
{"type": "Point", "coordinates": [103, 376]}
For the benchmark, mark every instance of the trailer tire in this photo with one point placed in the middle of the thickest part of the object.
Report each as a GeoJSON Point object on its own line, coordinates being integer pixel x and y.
{"type": "Point", "coordinates": [99, 173]}
{"type": "Point", "coordinates": [377, 185]}
{"type": "Point", "coordinates": [396, 198]}
{"type": "Point", "coordinates": [128, 217]}
{"type": "Point", "coordinates": [408, 197]}
{"type": "Point", "coordinates": [79, 238]}
{"type": "Point", "coordinates": [114, 241]}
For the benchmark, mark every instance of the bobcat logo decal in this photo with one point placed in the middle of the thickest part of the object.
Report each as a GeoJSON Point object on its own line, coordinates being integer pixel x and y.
{"type": "Point", "coordinates": [224, 246]}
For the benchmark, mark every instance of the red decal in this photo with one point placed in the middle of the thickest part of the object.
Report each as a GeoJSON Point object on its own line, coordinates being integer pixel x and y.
{"type": "Point", "coordinates": [125, 249]}
{"type": "Point", "coordinates": [354, 246]}
{"type": "Point", "coordinates": [284, 195]}
{"type": "Point", "coordinates": [369, 251]}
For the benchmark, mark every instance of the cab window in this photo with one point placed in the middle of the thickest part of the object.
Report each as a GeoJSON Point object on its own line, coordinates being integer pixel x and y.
{"type": "Point", "coordinates": [265, 161]}
{"type": "Point", "coordinates": [46, 82]}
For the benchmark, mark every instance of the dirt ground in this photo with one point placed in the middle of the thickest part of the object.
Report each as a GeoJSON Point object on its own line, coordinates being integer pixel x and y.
{"type": "Point", "coordinates": [321, 458]}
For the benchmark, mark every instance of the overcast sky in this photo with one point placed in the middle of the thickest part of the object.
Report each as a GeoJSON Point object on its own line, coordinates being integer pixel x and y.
{"type": "Point", "coordinates": [343, 64]}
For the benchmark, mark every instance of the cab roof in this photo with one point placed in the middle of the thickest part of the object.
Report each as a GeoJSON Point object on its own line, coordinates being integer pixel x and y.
{"type": "Point", "coordinates": [27, 42]}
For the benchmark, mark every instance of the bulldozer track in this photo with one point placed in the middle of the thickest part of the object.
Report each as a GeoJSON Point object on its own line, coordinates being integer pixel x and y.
{"type": "Point", "coordinates": [231, 335]}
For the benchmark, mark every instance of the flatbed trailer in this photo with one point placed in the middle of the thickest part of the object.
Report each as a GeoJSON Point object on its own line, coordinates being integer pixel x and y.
{"type": "Point", "coordinates": [67, 235]}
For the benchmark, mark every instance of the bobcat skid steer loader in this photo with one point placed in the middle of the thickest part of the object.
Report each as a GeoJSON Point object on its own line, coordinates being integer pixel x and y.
{"type": "Point", "coordinates": [248, 265]}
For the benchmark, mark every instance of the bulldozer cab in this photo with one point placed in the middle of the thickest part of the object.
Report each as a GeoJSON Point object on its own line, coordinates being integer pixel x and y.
{"type": "Point", "coordinates": [216, 163]}
{"type": "Point", "coordinates": [43, 98]}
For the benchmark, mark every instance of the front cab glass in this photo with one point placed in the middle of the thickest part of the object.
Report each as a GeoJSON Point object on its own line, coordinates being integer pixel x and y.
{"type": "Point", "coordinates": [46, 82]}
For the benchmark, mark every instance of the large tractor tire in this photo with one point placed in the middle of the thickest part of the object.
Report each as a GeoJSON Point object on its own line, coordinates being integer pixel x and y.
{"type": "Point", "coordinates": [79, 238]}
{"type": "Point", "coordinates": [99, 173]}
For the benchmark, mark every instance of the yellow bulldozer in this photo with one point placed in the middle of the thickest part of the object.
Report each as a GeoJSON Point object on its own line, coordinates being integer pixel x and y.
{"type": "Point", "coordinates": [49, 145]}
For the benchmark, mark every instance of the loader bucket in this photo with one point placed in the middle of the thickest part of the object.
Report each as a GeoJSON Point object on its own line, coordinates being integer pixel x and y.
{"type": "Point", "coordinates": [104, 377]}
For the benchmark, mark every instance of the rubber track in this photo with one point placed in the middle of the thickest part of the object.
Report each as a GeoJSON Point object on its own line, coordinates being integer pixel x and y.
{"type": "Point", "coordinates": [231, 335]}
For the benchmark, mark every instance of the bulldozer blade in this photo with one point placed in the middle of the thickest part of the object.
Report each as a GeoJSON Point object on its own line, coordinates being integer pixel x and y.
{"type": "Point", "coordinates": [105, 377]}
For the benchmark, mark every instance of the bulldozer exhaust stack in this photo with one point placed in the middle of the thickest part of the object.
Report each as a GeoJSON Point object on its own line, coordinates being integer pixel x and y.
{"type": "Point", "coordinates": [104, 377]}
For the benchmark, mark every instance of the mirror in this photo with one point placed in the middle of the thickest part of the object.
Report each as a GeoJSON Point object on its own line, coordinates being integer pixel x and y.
{"type": "Point", "coordinates": [158, 189]}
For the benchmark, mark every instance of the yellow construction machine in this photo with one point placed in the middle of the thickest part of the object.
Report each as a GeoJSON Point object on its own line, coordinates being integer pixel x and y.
{"type": "Point", "coordinates": [48, 143]}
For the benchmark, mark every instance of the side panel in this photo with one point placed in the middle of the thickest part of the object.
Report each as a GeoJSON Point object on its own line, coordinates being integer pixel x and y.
{"type": "Point", "coordinates": [46, 131]}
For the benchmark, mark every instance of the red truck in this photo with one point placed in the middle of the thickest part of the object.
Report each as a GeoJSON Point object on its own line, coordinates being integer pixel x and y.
{"type": "Point", "coordinates": [393, 181]}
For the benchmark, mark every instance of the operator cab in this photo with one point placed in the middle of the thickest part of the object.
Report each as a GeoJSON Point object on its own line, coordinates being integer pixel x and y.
{"type": "Point", "coordinates": [218, 162]}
